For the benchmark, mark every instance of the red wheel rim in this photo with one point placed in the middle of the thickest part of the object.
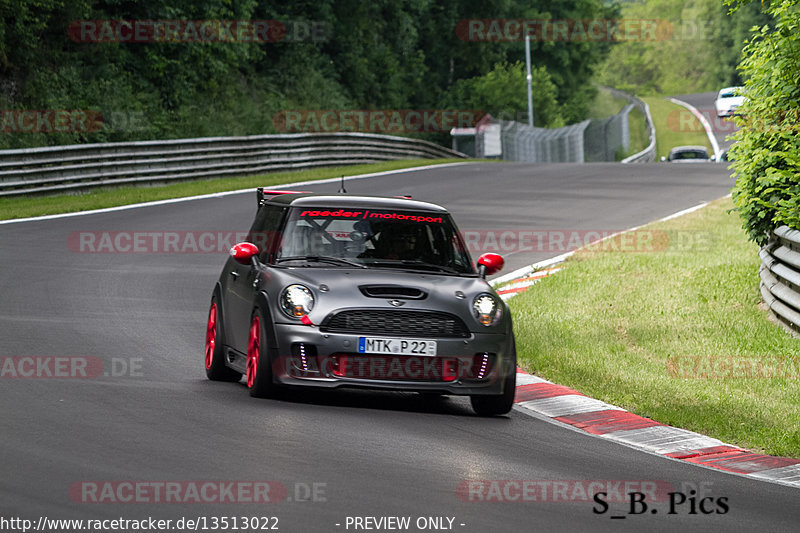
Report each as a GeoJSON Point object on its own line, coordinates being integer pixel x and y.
{"type": "Point", "coordinates": [211, 335]}
{"type": "Point", "coordinates": [253, 349]}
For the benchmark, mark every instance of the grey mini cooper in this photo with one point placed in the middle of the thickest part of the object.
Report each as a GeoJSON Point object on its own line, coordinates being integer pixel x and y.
{"type": "Point", "coordinates": [338, 290]}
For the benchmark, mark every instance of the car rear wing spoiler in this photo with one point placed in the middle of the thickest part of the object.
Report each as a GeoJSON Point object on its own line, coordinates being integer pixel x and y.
{"type": "Point", "coordinates": [261, 193]}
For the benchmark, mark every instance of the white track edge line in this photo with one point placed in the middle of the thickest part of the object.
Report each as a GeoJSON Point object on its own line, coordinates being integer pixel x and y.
{"type": "Point", "coordinates": [225, 193]}
{"type": "Point", "coordinates": [704, 122]}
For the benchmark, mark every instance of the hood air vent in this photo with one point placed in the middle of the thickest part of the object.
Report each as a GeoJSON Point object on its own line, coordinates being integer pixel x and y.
{"type": "Point", "coordinates": [392, 291]}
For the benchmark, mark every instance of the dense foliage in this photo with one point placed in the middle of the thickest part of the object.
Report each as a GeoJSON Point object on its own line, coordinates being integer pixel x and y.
{"type": "Point", "coordinates": [696, 48]}
{"type": "Point", "coordinates": [333, 54]}
{"type": "Point", "coordinates": [503, 90]}
{"type": "Point", "coordinates": [767, 154]}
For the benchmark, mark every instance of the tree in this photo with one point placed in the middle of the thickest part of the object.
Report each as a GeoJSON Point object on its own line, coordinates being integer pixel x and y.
{"type": "Point", "coordinates": [383, 54]}
{"type": "Point", "coordinates": [696, 47]}
{"type": "Point", "coordinates": [502, 92]}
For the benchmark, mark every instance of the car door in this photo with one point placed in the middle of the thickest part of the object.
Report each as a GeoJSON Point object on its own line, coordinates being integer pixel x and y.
{"type": "Point", "coordinates": [242, 279]}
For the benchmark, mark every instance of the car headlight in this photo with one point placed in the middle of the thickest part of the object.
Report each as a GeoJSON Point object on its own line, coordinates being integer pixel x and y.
{"type": "Point", "coordinates": [296, 301]}
{"type": "Point", "coordinates": [486, 309]}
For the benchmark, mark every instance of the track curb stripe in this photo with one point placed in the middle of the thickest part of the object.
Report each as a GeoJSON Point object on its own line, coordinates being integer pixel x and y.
{"type": "Point", "coordinates": [594, 417]}
{"type": "Point", "coordinates": [602, 422]}
{"type": "Point", "coordinates": [744, 462]}
{"type": "Point", "coordinates": [538, 391]}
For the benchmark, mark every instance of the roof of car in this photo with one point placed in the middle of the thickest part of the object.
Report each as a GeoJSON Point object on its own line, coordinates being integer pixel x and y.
{"type": "Point", "coordinates": [343, 200]}
{"type": "Point", "coordinates": [689, 149]}
{"type": "Point", "coordinates": [730, 89]}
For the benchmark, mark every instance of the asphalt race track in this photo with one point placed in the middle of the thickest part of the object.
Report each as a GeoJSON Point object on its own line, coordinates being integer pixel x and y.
{"type": "Point", "coordinates": [721, 127]}
{"type": "Point", "coordinates": [155, 418]}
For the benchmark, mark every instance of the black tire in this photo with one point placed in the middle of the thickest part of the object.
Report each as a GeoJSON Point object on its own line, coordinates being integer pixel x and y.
{"type": "Point", "coordinates": [216, 370]}
{"type": "Point", "coordinates": [259, 366]}
{"type": "Point", "coordinates": [499, 404]}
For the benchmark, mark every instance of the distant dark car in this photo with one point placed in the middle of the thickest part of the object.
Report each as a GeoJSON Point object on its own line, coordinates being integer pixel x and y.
{"type": "Point", "coordinates": [725, 156]}
{"type": "Point", "coordinates": [339, 290]}
{"type": "Point", "coordinates": [688, 154]}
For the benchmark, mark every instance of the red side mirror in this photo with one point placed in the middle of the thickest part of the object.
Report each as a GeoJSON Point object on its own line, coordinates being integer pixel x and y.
{"type": "Point", "coordinates": [243, 252]}
{"type": "Point", "coordinates": [493, 263]}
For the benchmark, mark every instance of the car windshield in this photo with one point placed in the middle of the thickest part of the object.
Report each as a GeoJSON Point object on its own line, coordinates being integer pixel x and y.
{"type": "Point", "coordinates": [690, 154]}
{"type": "Point", "coordinates": [411, 240]}
{"type": "Point", "coordinates": [730, 92]}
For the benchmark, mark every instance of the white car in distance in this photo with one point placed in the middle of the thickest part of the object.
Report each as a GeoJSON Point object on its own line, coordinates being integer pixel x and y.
{"type": "Point", "coordinates": [728, 100]}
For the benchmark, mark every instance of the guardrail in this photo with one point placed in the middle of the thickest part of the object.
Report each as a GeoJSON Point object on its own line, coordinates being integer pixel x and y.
{"type": "Point", "coordinates": [780, 276]}
{"type": "Point", "coordinates": [605, 137]}
{"type": "Point", "coordinates": [81, 166]}
{"type": "Point", "coordinates": [648, 155]}
{"type": "Point", "coordinates": [521, 142]}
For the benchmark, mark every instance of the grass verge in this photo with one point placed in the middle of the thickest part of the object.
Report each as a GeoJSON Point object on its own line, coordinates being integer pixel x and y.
{"type": "Point", "coordinates": [672, 332]}
{"type": "Point", "coordinates": [29, 206]}
{"type": "Point", "coordinates": [639, 134]}
{"type": "Point", "coordinates": [675, 126]}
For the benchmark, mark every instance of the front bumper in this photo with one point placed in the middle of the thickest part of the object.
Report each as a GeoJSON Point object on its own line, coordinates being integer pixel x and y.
{"type": "Point", "coordinates": [305, 356]}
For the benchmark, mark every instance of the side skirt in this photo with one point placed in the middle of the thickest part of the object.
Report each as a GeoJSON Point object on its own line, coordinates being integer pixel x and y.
{"type": "Point", "coordinates": [235, 360]}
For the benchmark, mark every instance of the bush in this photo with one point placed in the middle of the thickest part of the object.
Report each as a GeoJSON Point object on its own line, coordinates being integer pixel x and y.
{"type": "Point", "coordinates": [767, 153]}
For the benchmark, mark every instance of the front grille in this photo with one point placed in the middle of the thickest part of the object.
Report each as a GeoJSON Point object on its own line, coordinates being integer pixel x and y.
{"type": "Point", "coordinates": [392, 322]}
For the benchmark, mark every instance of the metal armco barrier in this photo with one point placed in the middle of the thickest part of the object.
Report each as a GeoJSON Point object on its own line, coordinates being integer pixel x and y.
{"type": "Point", "coordinates": [780, 276]}
{"type": "Point", "coordinates": [81, 166]}
{"type": "Point", "coordinates": [648, 155]}
{"type": "Point", "coordinates": [604, 137]}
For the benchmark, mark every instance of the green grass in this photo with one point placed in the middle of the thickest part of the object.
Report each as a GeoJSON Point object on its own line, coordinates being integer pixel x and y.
{"type": "Point", "coordinates": [655, 333]}
{"type": "Point", "coordinates": [675, 126]}
{"type": "Point", "coordinates": [28, 206]}
{"type": "Point", "coordinates": [639, 134]}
